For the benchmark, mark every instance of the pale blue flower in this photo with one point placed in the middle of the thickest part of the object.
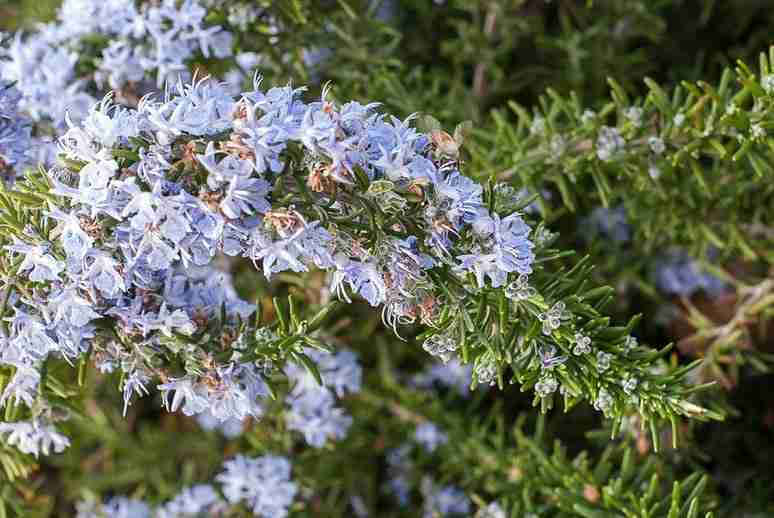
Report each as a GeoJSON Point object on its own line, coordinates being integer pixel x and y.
{"type": "Point", "coordinates": [158, 254]}
{"type": "Point", "coordinates": [224, 170]}
{"type": "Point", "coordinates": [505, 248]}
{"type": "Point", "coordinates": [94, 181]}
{"type": "Point", "coordinates": [75, 241]}
{"type": "Point", "coordinates": [316, 128]}
{"type": "Point", "coordinates": [120, 64]}
{"type": "Point", "coordinates": [444, 501]}
{"type": "Point", "coordinates": [237, 394]}
{"type": "Point", "coordinates": [230, 428]}
{"type": "Point", "coordinates": [245, 196]}
{"type": "Point", "coordinates": [15, 131]}
{"type": "Point", "coordinates": [202, 108]}
{"type": "Point", "coordinates": [297, 248]}
{"type": "Point", "coordinates": [262, 483]}
{"type": "Point", "coordinates": [453, 374]}
{"type": "Point", "coordinates": [30, 337]}
{"type": "Point", "coordinates": [265, 144]}
{"type": "Point", "coordinates": [205, 294]}
{"type": "Point", "coordinates": [116, 507]}
{"type": "Point", "coordinates": [430, 436]}
{"type": "Point", "coordinates": [198, 500]}
{"type": "Point", "coordinates": [458, 198]}
{"type": "Point", "coordinates": [34, 437]}
{"type": "Point", "coordinates": [71, 309]}
{"type": "Point", "coordinates": [312, 409]}
{"type": "Point", "coordinates": [168, 321]}
{"type": "Point", "coordinates": [678, 274]}
{"type": "Point", "coordinates": [23, 386]}
{"type": "Point", "coordinates": [610, 223]}
{"type": "Point", "coordinates": [102, 272]}
{"type": "Point", "coordinates": [363, 278]}
{"type": "Point", "coordinates": [314, 414]}
{"type": "Point", "coordinates": [400, 486]}
{"type": "Point", "coordinates": [398, 468]}
{"type": "Point", "coordinates": [189, 396]}
{"type": "Point", "coordinates": [72, 341]}
{"type": "Point", "coordinates": [109, 124]}
{"type": "Point", "coordinates": [36, 259]}
{"type": "Point", "coordinates": [80, 17]}
{"type": "Point", "coordinates": [44, 72]}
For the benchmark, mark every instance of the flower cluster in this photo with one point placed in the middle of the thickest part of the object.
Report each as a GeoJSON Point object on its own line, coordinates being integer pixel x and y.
{"type": "Point", "coordinates": [675, 272]}
{"type": "Point", "coordinates": [312, 407]}
{"type": "Point", "coordinates": [96, 45]}
{"type": "Point", "coordinates": [430, 437]}
{"type": "Point", "coordinates": [34, 437]}
{"type": "Point", "coordinates": [609, 223]}
{"type": "Point", "coordinates": [437, 500]}
{"type": "Point", "coordinates": [678, 274]}
{"type": "Point", "coordinates": [263, 484]}
{"type": "Point", "coordinates": [444, 500]}
{"type": "Point", "coordinates": [120, 257]}
{"type": "Point", "coordinates": [453, 374]}
{"type": "Point", "coordinates": [150, 197]}
{"type": "Point", "coordinates": [399, 468]}
{"type": "Point", "coordinates": [159, 39]}
{"type": "Point", "coordinates": [44, 70]}
{"type": "Point", "coordinates": [148, 202]}
{"type": "Point", "coordinates": [15, 141]}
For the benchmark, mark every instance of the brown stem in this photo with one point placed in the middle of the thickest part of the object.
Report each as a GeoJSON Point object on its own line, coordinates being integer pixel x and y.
{"type": "Point", "coordinates": [479, 75]}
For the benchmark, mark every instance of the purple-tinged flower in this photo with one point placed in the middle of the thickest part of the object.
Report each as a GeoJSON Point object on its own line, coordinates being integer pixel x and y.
{"type": "Point", "coordinates": [116, 507]}
{"type": "Point", "coordinates": [443, 501]}
{"type": "Point", "coordinates": [71, 309]}
{"type": "Point", "coordinates": [23, 386]}
{"type": "Point", "coordinates": [314, 414]}
{"type": "Point", "coordinates": [610, 223]}
{"type": "Point", "coordinates": [75, 241]}
{"type": "Point", "coordinates": [505, 248]}
{"type": "Point", "coordinates": [102, 271]}
{"type": "Point", "coordinates": [549, 358]}
{"type": "Point", "coordinates": [363, 278]}
{"type": "Point", "coordinates": [430, 436]}
{"type": "Point", "coordinates": [262, 483]}
{"type": "Point", "coordinates": [452, 374]}
{"type": "Point", "coordinates": [678, 274]}
{"type": "Point", "coordinates": [230, 428]}
{"type": "Point", "coordinates": [198, 500]}
{"type": "Point", "coordinates": [299, 246]}
{"type": "Point", "coordinates": [245, 196]}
